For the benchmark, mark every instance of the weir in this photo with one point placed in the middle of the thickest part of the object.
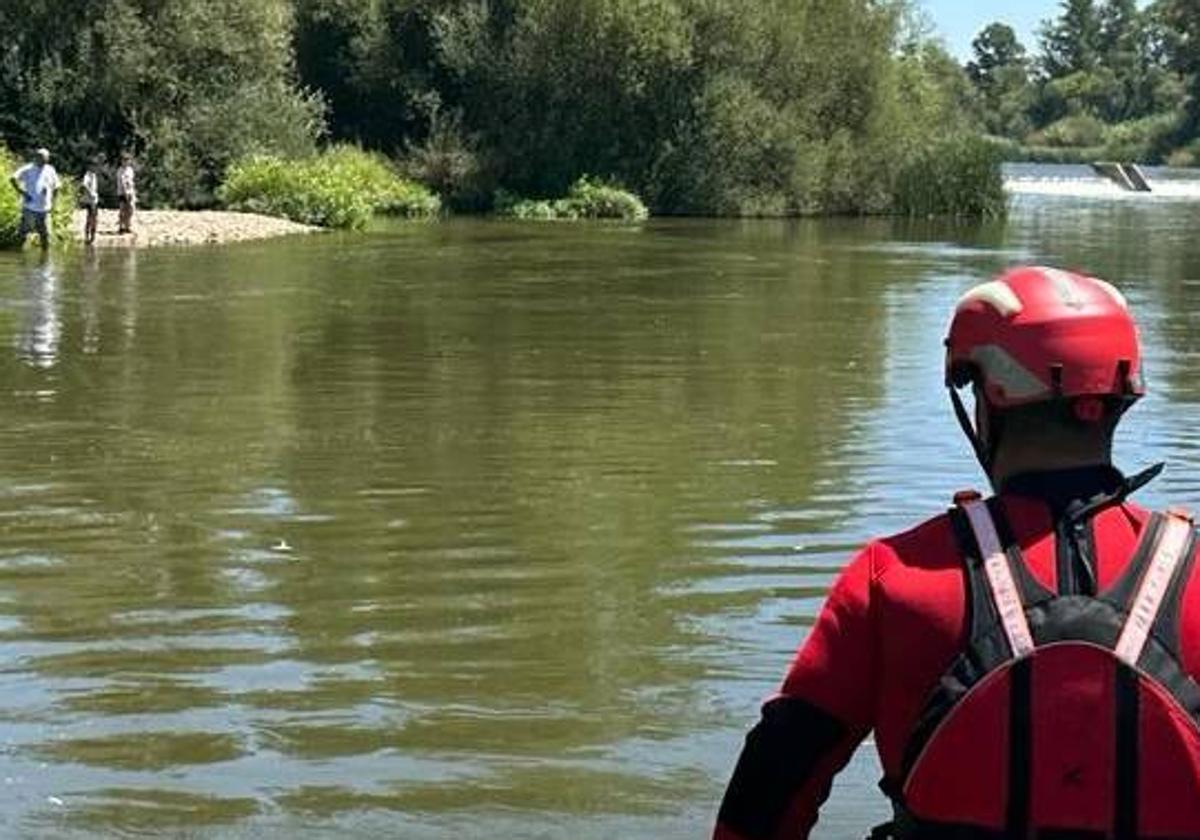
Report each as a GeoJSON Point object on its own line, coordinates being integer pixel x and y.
{"type": "Point", "coordinates": [1127, 176]}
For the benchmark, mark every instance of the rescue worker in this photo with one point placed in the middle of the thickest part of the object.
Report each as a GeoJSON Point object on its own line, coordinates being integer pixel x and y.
{"type": "Point", "coordinates": [1027, 664]}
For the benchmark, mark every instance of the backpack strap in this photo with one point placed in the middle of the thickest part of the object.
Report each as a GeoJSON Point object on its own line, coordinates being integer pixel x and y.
{"type": "Point", "coordinates": [1172, 546]}
{"type": "Point", "coordinates": [998, 573]}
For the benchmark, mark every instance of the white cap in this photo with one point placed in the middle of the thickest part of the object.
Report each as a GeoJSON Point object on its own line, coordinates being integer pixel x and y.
{"type": "Point", "coordinates": [43, 152]}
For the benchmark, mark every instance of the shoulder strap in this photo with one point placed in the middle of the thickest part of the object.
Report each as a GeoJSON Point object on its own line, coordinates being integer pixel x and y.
{"type": "Point", "coordinates": [1171, 545]}
{"type": "Point", "coordinates": [999, 575]}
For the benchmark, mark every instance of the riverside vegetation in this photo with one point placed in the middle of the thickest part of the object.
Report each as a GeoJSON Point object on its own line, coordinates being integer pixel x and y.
{"type": "Point", "coordinates": [1110, 79]}
{"type": "Point", "coordinates": [713, 107]}
{"type": "Point", "coordinates": [708, 107]}
{"type": "Point", "coordinates": [342, 187]}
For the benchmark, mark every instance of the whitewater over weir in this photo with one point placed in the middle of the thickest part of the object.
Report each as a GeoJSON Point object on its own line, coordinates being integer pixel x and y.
{"type": "Point", "coordinates": [1077, 181]}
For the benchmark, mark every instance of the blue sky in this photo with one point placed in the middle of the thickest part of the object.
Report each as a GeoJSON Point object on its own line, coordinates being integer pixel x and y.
{"type": "Point", "coordinates": [959, 21]}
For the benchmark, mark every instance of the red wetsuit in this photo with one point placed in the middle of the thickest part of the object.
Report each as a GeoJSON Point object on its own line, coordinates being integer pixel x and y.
{"type": "Point", "coordinates": [894, 623]}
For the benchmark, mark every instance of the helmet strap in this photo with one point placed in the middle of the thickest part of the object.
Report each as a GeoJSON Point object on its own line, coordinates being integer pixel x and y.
{"type": "Point", "coordinates": [984, 454]}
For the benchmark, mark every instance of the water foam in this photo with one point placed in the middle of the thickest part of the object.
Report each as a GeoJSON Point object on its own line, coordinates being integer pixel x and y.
{"type": "Point", "coordinates": [1081, 182]}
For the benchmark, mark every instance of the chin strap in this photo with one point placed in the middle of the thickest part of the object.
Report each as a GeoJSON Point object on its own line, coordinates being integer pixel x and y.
{"type": "Point", "coordinates": [982, 453]}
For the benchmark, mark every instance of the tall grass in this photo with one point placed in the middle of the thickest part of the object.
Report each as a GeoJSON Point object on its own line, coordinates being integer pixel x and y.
{"type": "Point", "coordinates": [342, 187]}
{"type": "Point", "coordinates": [958, 176]}
{"type": "Point", "coordinates": [588, 198]}
{"type": "Point", "coordinates": [61, 217]}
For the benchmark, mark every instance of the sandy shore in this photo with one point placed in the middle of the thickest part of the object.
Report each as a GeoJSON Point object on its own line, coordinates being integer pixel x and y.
{"type": "Point", "coordinates": [154, 228]}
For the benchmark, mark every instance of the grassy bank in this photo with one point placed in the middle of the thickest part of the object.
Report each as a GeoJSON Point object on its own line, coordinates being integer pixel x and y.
{"type": "Point", "coordinates": [343, 187]}
{"type": "Point", "coordinates": [10, 207]}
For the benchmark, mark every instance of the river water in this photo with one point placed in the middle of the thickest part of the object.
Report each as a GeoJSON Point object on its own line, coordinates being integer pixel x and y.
{"type": "Point", "coordinates": [477, 529]}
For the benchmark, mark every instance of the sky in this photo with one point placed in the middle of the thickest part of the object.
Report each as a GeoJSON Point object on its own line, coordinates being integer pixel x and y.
{"type": "Point", "coordinates": [959, 21]}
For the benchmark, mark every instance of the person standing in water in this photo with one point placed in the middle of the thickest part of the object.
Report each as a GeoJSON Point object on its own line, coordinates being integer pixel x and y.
{"type": "Point", "coordinates": [1028, 663]}
{"type": "Point", "coordinates": [36, 182]}
{"type": "Point", "coordinates": [91, 202]}
{"type": "Point", "coordinates": [126, 194]}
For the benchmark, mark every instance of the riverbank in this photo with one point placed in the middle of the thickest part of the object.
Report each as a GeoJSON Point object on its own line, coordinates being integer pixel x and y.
{"type": "Point", "coordinates": [156, 228]}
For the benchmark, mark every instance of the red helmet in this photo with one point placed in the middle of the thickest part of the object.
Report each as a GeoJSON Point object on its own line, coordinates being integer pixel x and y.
{"type": "Point", "coordinates": [1036, 334]}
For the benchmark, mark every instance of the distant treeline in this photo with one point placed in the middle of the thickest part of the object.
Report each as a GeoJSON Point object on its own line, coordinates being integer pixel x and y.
{"type": "Point", "coordinates": [727, 107]}
{"type": "Point", "coordinates": [1107, 79]}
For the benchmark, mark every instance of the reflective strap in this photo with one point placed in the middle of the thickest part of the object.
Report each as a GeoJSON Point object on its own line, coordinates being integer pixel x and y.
{"type": "Point", "coordinates": [1167, 553]}
{"type": "Point", "coordinates": [1000, 580]}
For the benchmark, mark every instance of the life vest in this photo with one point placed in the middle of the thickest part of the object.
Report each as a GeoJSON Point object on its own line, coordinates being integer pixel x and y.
{"type": "Point", "coordinates": [1066, 716]}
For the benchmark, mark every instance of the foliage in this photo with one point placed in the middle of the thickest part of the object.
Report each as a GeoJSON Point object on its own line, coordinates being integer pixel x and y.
{"type": "Point", "coordinates": [448, 162]}
{"type": "Point", "coordinates": [1000, 72]}
{"type": "Point", "coordinates": [187, 85]}
{"type": "Point", "coordinates": [341, 188]}
{"type": "Point", "coordinates": [1109, 76]}
{"type": "Point", "coordinates": [959, 176]}
{"type": "Point", "coordinates": [587, 199]}
{"type": "Point", "coordinates": [1187, 156]}
{"type": "Point", "coordinates": [1077, 130]}
{"type": "Point", "coordinates": [701, 106]}
{"type": "Point", "coordinates": [61, 217]}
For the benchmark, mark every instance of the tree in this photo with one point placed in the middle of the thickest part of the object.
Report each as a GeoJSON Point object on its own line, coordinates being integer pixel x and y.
{"type": "Point", "coordinates": [187, 84]}
{"type": "Point", "coordinates": [996, 49]}
{"type": "Point", "coordinates": [1072, 43]}
{"type": "Point", "coordinates": [1000, 72]}
{"type": "Point", "coordinates": [1180, 20]}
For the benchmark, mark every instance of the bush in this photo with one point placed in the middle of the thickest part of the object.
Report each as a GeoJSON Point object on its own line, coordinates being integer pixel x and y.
{"type": "Point", "coordinates": [448, 162]}
{"type": "Point", "coordinates": [340, 188]}
{"type": "Point", "coordinates": [1054, 154]}
{"type": "Point", "coordinates": [1187, 156]}
{"type": "Point", "coordinates": [959, 176]}
{"type": "Point", "coordinates": [61, 218]}
{"type": "Point", "coordinates": [587, 199]}
{"type": "Point", "coordinates": [1143, 140]}
{"type": "Point", "coordinates": [1073, 131]}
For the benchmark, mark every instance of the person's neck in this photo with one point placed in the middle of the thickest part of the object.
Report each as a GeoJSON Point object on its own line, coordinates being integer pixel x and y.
{"type": "Point", "coordinates": [1009, 464]}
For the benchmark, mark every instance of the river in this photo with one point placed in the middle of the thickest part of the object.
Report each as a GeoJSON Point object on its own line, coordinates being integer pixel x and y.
{"type": "Point", "coordinates": [483, 529]}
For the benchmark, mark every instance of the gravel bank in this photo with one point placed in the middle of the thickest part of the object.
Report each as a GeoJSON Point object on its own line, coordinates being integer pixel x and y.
{"type": "Point", "coordinates": [188, 227]}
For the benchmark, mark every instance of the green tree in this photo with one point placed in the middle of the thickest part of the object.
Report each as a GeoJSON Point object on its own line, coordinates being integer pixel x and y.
{"type": "Point", "coordinates": [187, 84]}
{"type": "Point", "coordinates": [1072, 43]}
{"type": "Point", "coordinates": [1180, 44]}
{"type": "Point", "coordinates": [1000, 71]}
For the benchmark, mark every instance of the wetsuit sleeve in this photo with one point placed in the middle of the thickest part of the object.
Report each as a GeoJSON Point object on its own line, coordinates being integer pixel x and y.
{"type": "Point", "coordinates": [809, 731]}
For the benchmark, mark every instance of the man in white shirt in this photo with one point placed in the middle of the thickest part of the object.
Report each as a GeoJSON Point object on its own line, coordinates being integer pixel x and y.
{"type": "Point", "coordinates": [126, 195]}
{"type": "Point", "coordinates": [36, 182]}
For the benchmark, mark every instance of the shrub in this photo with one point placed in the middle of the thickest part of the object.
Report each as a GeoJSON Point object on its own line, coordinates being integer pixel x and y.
{"type": "Point", "coordinates": [587, 199]}
{"type": "Point", "coordinates": [958, 176]}
{"type": "Point", "coordinates": [61, 218]}
{"type": "Point", "coordinates": [1056, 155]}
{"type": "Point", "coordinates": [1187, 156]}
{"type": "Point", "coordinates": [449, 163]}
{"type": "Point", "coordinates": [1072, 131]}
{"type": "Point", "coordinates": [341, 188]}
{"type": "Point", "coordinates": [1141, 140]}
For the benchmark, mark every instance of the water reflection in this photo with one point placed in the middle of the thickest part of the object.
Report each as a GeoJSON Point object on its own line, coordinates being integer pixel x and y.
{"type": "Point", "coordinates": [41, 327]}
{"type": "Point", "coordinates": [469, 524]}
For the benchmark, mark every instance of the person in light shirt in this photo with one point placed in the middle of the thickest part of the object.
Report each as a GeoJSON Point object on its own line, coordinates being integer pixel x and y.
{"type": "Point", "coordinates": [90, 200]}
{"type": "Point", "coordinates": [36, 181]}
{"type": "Point", "coordinates": [126, 194]}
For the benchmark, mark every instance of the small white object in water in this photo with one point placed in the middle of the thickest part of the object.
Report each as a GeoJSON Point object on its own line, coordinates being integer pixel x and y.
{"type": "Point", "coordinates": [54, 800]}
{"type": "Point", "coordinates": [282, 547]}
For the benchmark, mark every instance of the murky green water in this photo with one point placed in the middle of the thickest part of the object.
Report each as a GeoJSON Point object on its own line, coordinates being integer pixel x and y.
{"type": "Point", "coordinates": [476, 529]}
